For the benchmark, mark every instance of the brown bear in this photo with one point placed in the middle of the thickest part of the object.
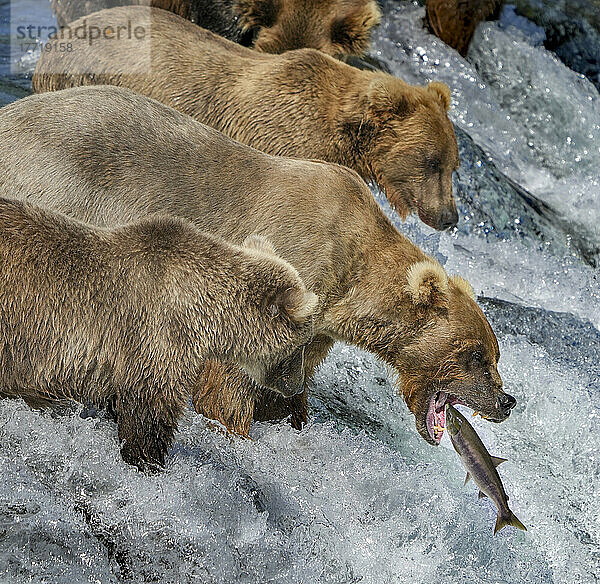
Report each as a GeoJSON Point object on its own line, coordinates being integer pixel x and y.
{"type": "Point", "coordinates": [301, 104]}
{"type": "Point", "coordinates": [107, 155]}
{"type": "Point", "coordinates": [127, 315]}
{"type": "Point", "coordinates": [455, 21]}
{"type": "Point", "coordinates": [336, 27]}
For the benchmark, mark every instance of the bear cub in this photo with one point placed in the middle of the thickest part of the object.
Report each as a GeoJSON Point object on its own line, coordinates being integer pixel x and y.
{"type": "Point", "coordinates": [127, 316]}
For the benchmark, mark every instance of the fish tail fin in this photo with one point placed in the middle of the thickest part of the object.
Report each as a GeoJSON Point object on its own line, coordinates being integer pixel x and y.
{"type": "Point", "coordinates": [505, 519]}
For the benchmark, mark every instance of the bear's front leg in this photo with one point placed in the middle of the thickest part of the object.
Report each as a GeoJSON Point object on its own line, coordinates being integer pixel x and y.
{"type": "Point", "coordinates": [146, 428]}
{"type": "Point", "coordinates": [226, 394]}
{"type": "Point", "coordinates": [273, 406]}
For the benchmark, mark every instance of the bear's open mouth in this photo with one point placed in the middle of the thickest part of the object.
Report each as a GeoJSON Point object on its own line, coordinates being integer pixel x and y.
{"type": "Point", "coordinates": [436, 414]}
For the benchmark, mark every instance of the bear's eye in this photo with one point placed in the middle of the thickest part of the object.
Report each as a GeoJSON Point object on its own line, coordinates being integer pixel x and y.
{"type": "Point", "coordinates": [433, 165]}
{"type": "Point", "coordinates": [476, 358]}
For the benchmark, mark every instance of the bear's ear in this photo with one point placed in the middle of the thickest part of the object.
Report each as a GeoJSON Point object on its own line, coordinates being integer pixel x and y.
{"type": "Point", "coordinates": [427, 284]}
{"type": "Point", "coordinates": [257, 13]}
{"type": "Point", "coordinates": [388, 98]}
{"type": "Point", "coordinates": [297, 303]}
{"type": "Point", "coordinates": [463, 286]}
{"type": "Point", "coordinates": [259, 243]}
{"type": "Point", "coordinates": [352, 33]}
{"type": "Point", "coordinates": [442, 92]}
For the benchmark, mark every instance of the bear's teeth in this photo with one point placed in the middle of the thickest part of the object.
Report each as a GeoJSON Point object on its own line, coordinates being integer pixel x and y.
{"type": "Point", "coordinates": [440, 401]}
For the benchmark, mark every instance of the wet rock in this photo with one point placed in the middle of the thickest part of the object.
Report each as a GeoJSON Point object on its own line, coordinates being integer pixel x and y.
{"type": "Point", "coordinates": [572, 31]}
{"type": "Point", "coordinates": [566, 337]}
{"type": "Point", "coordinates": [490, 203]}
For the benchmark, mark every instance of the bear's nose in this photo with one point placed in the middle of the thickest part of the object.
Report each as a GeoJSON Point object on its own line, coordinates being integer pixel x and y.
{"type": "Point", "coordinates": [507, 402]}
{"type": "Point", "coordinates": [448, 219]}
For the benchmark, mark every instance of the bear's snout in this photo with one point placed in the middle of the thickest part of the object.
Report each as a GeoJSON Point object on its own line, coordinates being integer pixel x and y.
{"type": "Point", "coordinates": [506, 403]}
{"type": "Point", "coordinates": [448, 219]}
{"type": "Point", "coordinates": [438, 218]}
{"type": "Point", "coordinates": [287, 377]}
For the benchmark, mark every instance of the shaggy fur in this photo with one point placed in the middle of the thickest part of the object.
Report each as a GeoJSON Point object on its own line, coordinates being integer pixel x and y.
{"type": "Point", "coordinates": [301, 104]}
{"type": "Point", "coordinates": [107, 155]}
{"type": "Point", "coordinates": [455, 21]}
{"type": "Point", "coordinates": [336, 27]}
{"type": "Point", "coordinates": [127, 316]}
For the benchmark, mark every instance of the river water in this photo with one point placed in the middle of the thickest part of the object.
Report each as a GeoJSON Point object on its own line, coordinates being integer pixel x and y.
{"type": "Point", "coordinates": [358, 496]}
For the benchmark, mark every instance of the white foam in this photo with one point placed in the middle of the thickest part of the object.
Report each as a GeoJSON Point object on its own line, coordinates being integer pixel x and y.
{"type": "Point", "coordinates": [327, 504]}
{"type": "Point", "coordinates": [538, 120]}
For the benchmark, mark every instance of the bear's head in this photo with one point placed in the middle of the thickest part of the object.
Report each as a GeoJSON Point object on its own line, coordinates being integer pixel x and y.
{"type": "Point", "coordinates": [454, 356]}
{"type": "Point", "coordinates": [429, 328]}
{"type": "Point", "coordinates": [335, 27]}
{"type": "Point", "coordinates": [283, 311]}
{"type": "Point", "coordinates": [412, 148]}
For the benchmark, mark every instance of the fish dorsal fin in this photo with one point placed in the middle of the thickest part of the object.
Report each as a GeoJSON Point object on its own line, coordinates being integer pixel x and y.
{"type": "Point", "coordinates": [482, 494]}
{"type": "Point", "coordinates": [467, 478]}
{"type": "Point", "coordinates": [497, 460]}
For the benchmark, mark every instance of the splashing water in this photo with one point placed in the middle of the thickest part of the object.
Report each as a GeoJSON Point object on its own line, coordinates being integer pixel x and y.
{"type": "Point", "coordinates": [358, 496]}
{"type": "Point", "coordinates": [536, 119]}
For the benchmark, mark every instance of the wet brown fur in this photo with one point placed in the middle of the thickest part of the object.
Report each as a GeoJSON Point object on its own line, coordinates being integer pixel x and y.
{"type": "Point", "coordinates": [107, 155]}
{"type": "Point", "coordinates": [336, 27]}
{"type": "Point", "coordinates": [302, 104]}
{"type": "Point", "coordinates": [127, 316]}
{"type": "Point", "coordinates": [455, 21]}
